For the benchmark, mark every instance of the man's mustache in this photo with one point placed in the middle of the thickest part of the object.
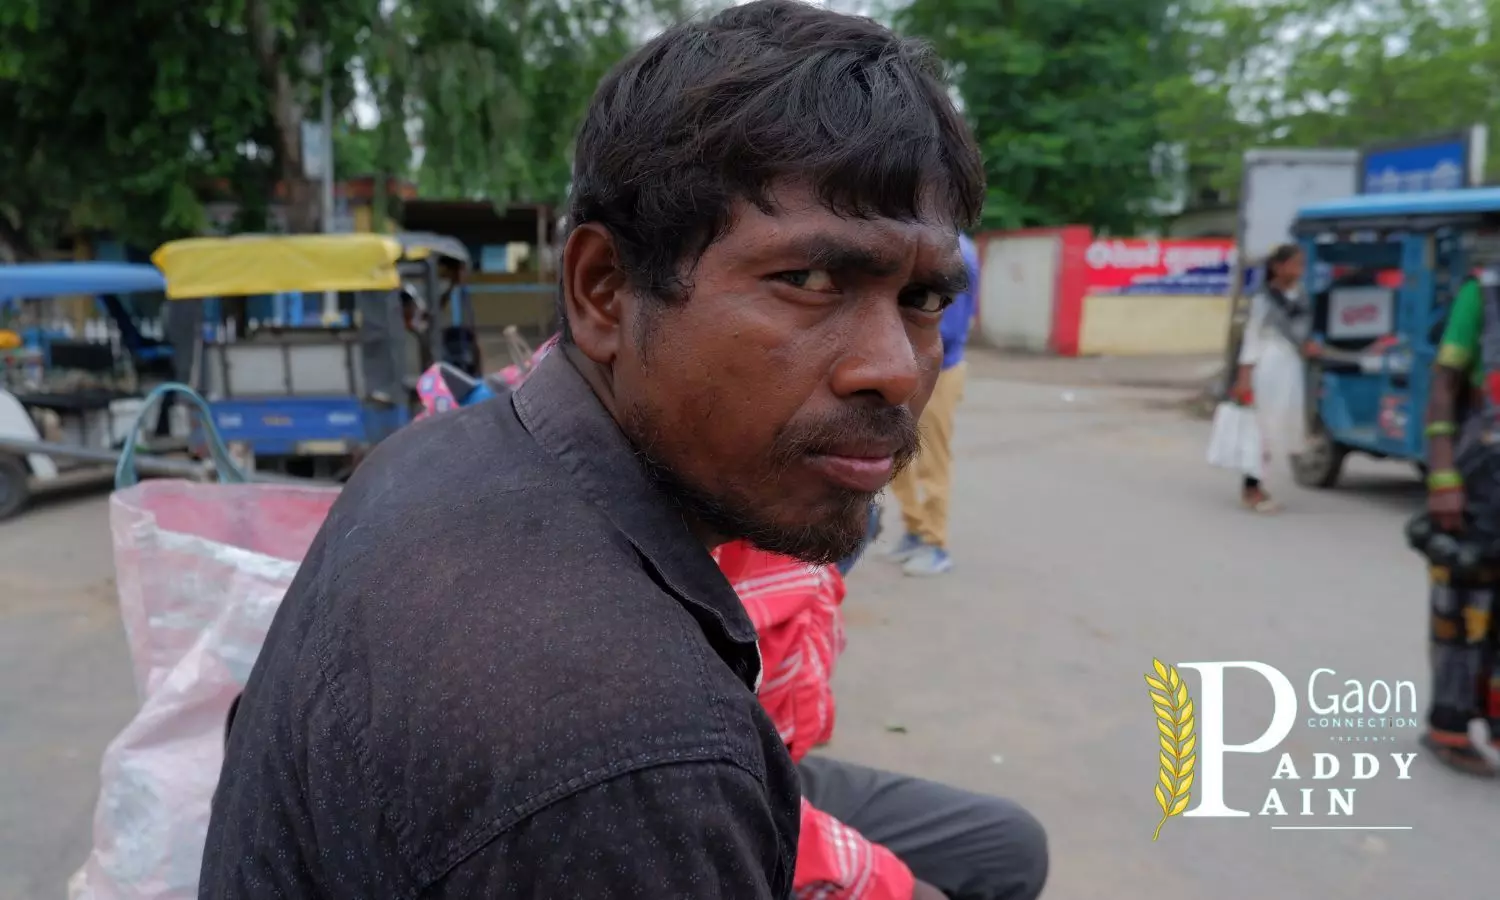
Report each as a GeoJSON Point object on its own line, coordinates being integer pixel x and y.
{"type": "Point", "coordinates": [891, 429]}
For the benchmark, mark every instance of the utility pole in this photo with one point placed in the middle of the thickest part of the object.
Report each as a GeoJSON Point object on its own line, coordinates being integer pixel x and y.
{"type": "Point", "coordinates": [330, 298]}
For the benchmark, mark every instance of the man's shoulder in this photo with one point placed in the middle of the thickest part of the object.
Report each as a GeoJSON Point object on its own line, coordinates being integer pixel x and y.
{"type": "Point", "coordinates": [499, 644]}
{"type": "Point", "coordinates": [466, 486]}
{"type": "Point", "coordinates": [465, 653]}
{"type": "Point", "coordinates": [482, 449]}
{"type": "Point", "coordinates": [489, 555]}
{"type": "Point", "coordinates": [574, 646]}
{"type": "Point", "coordinates": [485, 710]}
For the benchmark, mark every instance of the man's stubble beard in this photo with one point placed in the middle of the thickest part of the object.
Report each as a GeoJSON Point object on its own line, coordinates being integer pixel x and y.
{"type": "Point", "coordinates": [730, 514]}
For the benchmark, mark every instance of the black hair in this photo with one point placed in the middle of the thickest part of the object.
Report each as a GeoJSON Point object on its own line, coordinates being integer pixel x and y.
{"type": "Point", "coordinates": [772, 91]}
{"type": "Point", "coordinates": [1283, 254]}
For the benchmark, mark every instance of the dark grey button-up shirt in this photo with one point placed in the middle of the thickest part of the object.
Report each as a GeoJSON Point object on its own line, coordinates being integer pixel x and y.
{"type": "Point", "coordinates": [505, 669]}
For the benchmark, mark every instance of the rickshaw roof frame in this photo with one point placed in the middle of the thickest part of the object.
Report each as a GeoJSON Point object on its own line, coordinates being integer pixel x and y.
{"type": "Point", "coordinates": [257, 264]}
{"type": "Point", "coordinates": [1419, 211]}
{"type": "Point", "coordinates": [45, 280]}
{"type": "Point", "coordinates": [419, 245]}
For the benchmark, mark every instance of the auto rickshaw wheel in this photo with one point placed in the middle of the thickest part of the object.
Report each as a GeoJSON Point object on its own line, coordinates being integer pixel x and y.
{"type": "Point", "coordinates": [1320, 462]}
{"type": "Point", "coordinates": [14, 490]}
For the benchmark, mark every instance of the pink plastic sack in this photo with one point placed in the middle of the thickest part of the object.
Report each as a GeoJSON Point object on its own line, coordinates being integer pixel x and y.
{"type": "Point", "coordinates": [435, 396]}
{"type": "Point", "coordinates": [513, 375]}
{"type": "Point", "coordinates": [201, 569]}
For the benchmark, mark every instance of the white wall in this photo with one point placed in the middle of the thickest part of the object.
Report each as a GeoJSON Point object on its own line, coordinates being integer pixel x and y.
{"type": "Point", "coordinates": [1018, 286]}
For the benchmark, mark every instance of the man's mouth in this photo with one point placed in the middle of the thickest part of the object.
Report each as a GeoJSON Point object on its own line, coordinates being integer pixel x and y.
{"type": "Point", "coordinates": [866, 468]}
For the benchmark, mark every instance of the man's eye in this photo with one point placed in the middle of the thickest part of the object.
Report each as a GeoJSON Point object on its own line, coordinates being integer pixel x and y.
{"type": "Point", "coordinates": [809, 280]}
{"type": "Point", "coordinates": [926, 301]}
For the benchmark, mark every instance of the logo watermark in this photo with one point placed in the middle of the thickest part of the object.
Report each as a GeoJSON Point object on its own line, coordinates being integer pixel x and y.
{"type": "Point", "coordinates": [1193, 747]}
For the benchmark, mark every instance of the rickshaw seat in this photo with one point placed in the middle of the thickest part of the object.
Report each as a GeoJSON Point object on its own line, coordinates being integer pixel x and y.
{"type": "Point", "coordinates": [85, 356]}
{"type": "Point", "coordinates": [88, 400]}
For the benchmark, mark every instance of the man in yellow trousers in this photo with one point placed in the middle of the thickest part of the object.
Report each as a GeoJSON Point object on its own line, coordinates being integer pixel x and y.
{"type": "Point", "coordinates": [923, 488]}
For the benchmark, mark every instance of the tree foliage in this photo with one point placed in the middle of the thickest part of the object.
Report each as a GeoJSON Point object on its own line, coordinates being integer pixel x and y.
{"type": "Point", "coordinates": [1062, 96]}
{"type": "Point", "coordinates": [125, 116]}
{"type": "Point", "coordinates": [113, 113]}
{"type": "Point", "coordinates": [1329, 73]}
{"type": "Point", "coordinates": [492, 92]}
{"type": "Point", "coordinates": [1071, 99]}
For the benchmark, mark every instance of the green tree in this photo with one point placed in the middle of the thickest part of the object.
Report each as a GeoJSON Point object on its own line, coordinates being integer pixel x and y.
{"type": "Point", "coordinates": [1329, 73]}
{"type": "Point", "coordinates": [121, 116]}
{"type": "Point", "coordinates": [97, 137]}
{"type": "Point", "coordinates": [1211, 107]}
{"type": "Point", "coordinates": [356, 151]}
{"type": "Point", "coordinates": [1062, 96]}
{"type": "Point", "coordinates": [492, 93]}
{"type": "Point", "coordinates": [295, 45]}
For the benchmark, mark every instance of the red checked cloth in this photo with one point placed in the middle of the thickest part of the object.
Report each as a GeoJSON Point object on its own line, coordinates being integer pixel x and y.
{"type": "Point", "coordinates": [795, 609]}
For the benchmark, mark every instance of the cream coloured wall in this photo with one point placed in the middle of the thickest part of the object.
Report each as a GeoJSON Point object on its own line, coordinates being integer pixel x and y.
{"type": "Point", "coordinates": [1148, 324]}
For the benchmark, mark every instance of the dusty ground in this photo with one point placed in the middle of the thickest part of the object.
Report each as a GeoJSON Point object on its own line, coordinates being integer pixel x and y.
{"type": "Point", "coordinates": [65, 688]}
{"type": "Point", "coordinates": [1089, 537]}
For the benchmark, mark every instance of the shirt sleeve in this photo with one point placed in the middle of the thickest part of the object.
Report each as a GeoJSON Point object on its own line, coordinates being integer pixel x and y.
{"type": "Point", "coordinates": [1459, 347]}
{"type": "Point", "coordinates": [956, 320]}
{"type": "Point", "coordinates": [835, 862]}
{"type": "Point", "coordinates": [697, 831]}
{"type": "Point", "coordinates": [1251, 343]}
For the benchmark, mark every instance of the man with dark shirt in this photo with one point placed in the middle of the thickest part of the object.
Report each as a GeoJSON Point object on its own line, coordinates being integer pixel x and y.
{"type": "Point", "coordinates": [553, 695]}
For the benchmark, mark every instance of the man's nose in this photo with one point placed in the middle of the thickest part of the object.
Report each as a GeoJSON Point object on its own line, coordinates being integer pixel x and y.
{"type": "Point", "coordinates": [881, 357]}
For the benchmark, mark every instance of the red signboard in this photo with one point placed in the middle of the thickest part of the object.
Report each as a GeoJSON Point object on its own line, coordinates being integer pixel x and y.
{"type": "Point", "coordinates": [1112, 264]}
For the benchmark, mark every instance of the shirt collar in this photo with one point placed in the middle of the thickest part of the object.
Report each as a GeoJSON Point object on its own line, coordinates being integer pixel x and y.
{"type": "Point", "coordinates": [560, 410]}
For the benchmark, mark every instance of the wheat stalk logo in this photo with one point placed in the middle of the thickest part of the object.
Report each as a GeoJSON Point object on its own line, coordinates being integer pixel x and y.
{"type": "Point", "coordinates": [1179, 745]}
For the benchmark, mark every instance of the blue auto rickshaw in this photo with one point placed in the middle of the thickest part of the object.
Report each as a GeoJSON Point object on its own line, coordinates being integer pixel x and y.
{"type": "Point", "coordinates": [67, 401]}
{"type": "Point", "coordinates": [309, 399]}
{"type": "Point", "coordinates": [1383, 270]}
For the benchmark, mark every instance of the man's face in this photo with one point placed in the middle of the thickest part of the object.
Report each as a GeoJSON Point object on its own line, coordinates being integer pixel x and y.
{"type": "Point", "coordinates": [784, 393]}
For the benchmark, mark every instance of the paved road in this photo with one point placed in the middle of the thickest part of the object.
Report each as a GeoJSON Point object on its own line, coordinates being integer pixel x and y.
{"type": "Point", "coordinates": [65, 688]}
{"type": "Point", "coordinates": [1090, 538]}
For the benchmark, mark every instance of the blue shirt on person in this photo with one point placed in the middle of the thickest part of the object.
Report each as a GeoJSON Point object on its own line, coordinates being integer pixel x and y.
{"type": "Point", "coordinates": [954, 326]}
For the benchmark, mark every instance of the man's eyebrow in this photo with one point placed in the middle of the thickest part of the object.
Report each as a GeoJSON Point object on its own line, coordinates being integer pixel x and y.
{"type": "Point", "coordinates": [835, 255]}
{"type": "Point", "coordinates": [951, 281]}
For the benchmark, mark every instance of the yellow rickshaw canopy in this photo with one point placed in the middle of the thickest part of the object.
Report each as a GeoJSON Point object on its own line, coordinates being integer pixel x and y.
{"type": "Point", "coordinates": [249, 265]}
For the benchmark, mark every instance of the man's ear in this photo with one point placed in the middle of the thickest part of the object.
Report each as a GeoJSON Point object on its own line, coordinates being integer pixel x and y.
{"type": "Point", "coordinates": [592, 286]}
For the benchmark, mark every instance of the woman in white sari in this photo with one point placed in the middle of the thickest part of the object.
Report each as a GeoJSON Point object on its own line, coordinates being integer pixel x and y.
{"type": "Point", "coordinates": [1270, 377]}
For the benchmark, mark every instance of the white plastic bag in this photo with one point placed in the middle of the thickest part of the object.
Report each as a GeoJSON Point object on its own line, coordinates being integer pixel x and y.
{"type": "Point", "coordinates": [201, 569]}
{"type": "Point", "coordinates": [1235, 442]}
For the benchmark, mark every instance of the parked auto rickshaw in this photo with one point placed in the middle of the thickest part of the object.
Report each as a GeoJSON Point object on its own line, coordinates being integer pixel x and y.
{"type": "Point", "coordinates": [1382, 272]}
{"type": "Point", "coordinates": [311, 399]}
{"type": "Point", "coordinates": [66, 400]}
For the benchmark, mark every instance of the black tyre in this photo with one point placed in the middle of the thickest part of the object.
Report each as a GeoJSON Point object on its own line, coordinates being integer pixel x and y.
{"type": "Point", "coordinates": [14, 491]}
{"type": "Point", "coordinates": [1321, 462]}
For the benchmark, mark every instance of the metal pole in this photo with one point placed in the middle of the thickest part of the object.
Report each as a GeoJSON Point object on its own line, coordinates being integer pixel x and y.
{"type": "Point", "coordinates": [146, 464]}
{"type": "Point", "coordinates": [1236, 289]}
{"type": "Point", "coordinates": [151, 465]}
{"type": "Point", "coordinates": [330, 298]}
